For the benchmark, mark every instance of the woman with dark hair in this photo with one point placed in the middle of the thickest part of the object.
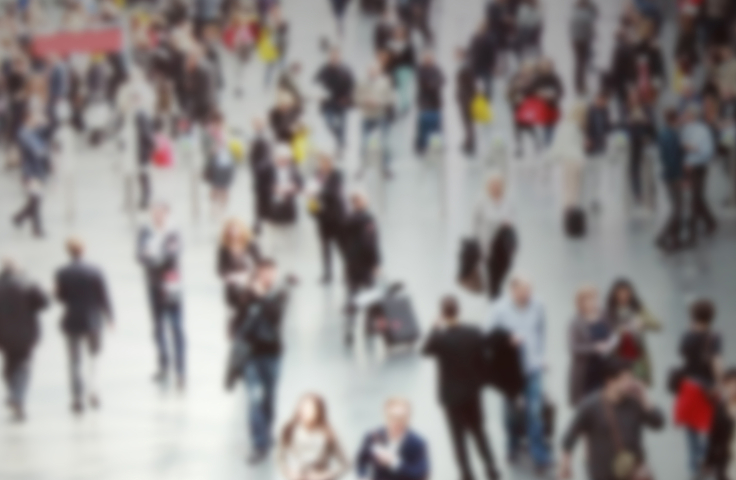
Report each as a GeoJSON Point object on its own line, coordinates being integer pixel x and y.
{"type": "Point", "coordinates": [308, 447]}
{"type": "Point", "coordinates": [631, 320]}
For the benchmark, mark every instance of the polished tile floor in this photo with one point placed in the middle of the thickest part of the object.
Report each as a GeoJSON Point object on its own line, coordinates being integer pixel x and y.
{"type": "Point", "coordinates": [145, 433]}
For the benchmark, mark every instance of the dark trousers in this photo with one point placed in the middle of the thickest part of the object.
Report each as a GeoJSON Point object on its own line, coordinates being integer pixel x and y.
{"type": "Point", "coordinates": [329, 236]}
{"type": "Point", "coordinates": [144, 180]}
{"type": "Point", "coordinates": [75, 345]}
{"type": "Point", "coordinates": [468, 126]}
{"type": "Point", "coordinates": [581, 51]}
{"type": "Point", "coordinates": [261, 374]}
{"type": "Point", "coordinates": [519, 130]}
{"type": "Point", "coordinates": [429, 122]}
{"type": "Point", "coordinates": [636, 159]}
{"type": "Point", "coordinates": [497, 268]}
{"type": "Point", "coordinates": [699, 209]}
{"type": "Point", "coordinates": [31, 211]}
{"type": "Point", "coordinates": [16, 373]}
{"type": "Point", "coordinates": [335, 118]}
{"type": "Point", "coordinates": [672, 230]}
{"type": "Point", "coordinates": [463, 419]}
{"type": "Point", "coordinates": [171, 316]}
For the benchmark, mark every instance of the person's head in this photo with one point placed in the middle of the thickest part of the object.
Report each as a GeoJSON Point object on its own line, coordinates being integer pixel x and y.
{"type": "Point", "coordinates": [702, 314]}
{"type": "Point", "coordinates": [75, 248]}
{"type": "Point", "coordinates": [450, 309]}
{"type": "Point", "coordinates": [397, 412]}
{"type": "Point", "coordinates": [617, 378]}
{"type": "Point", "coordinates": [601, 100]}
{"type": "Point", "coordinates": [586, 300]}
{"type": "Point", "coordinates": [235, 235]}
{"type": "Point", "coordinates": [282, 155]}
{"type": "Point", "coordinates": [521, 291]}
{"type": "Point", "coordinates": [358, 201]}
{"type": "Point", "coordinates": [160, 211]}
{"type": "Point", "coordinates": [335, 56]}
{"type": "Point", "coordinates": [428, 57]}
{"type": "Point", "coordinates": [259, 126]}
{"type": "Point", "coordinates": [623, 295]}
{"type": "Point", "coordinates": [496, 187]}
{"type": "Point", "coordinates": [284, 100]}
{"type": "Point", "coordinates": [546, 66]}
{"type": "Point", "coordinates": [325, 164]}
{"type": "Point", "coordinates": [311, 414]}
{"type": "Point", "coordinates": [266, 273]}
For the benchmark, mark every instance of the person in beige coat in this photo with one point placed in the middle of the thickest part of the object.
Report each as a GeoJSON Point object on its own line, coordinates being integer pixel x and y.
{"type": "Point", "coordinates": [568, 149]}
{"type": "Point", "coordinates": [375, 99]}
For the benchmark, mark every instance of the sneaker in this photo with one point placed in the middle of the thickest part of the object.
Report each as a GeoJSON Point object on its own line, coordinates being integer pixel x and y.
{"type": "Point", "coordinates": [94, 402]}
{"type": "Point", "coordinates": [77, 407]}
{"type": "Point", "coordinates": [257, 456]}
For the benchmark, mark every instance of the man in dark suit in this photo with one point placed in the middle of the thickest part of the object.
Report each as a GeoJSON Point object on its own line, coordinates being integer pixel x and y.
{"type": "Point", "coordinates": [394, 452]}
{"type": "Point", "coordinates": [339, 83]}
{"type": "Point", "coordinates": [21, 301]}
{"type": "Point", "coordinates": [81, 288]}
{"type": "Point", "coordinates": [329, 211]}
{"type": "Point", "coordinates": [458, 350]}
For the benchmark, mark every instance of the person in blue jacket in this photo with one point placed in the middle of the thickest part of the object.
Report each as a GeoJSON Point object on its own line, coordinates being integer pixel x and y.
{"type": "Point", "coordinates": [394, 452]}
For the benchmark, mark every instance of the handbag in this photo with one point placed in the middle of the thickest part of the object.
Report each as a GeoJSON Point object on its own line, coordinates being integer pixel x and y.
{"type": "Point", "coordinates": [625, 464]}
{"type": "Point", "coordinates": [266, 48]}
{"type": "Point", "coordinates": [480, 109]}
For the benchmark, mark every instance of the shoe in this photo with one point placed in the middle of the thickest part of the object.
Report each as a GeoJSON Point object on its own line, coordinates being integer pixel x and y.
{"type": "Point", "coordinates": [181, 383]}
{"type": "Point", "coordinates": [77, 407]}
{"type": "Point", "coordinates": [94, 402]}
{"type": "Point", "coordinates": [326, 279]}
{"type": "Point", "coordinates": [16, 409]}
{"type": "Point", "coordinates": [493, 475]}
{"type": "Point", "coordinates": [160, 377]}
{"type": "Point", "coordinates": [257, 456]}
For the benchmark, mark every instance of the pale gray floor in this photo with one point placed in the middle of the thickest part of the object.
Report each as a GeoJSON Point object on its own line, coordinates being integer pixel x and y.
{"type": "Point", "coordinates": [144, 433]}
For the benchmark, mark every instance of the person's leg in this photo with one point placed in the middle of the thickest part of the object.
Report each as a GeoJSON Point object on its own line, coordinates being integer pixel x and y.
{"type": "Point", "coordinates": [579, 73]}
{"type": "Point", "coordinates": [422, 132]}
{"type": "Point", "coordinates": [367, 129]}
{"type": "Point", "coordinates": [94, 342]}
{"type": "Point", "coordinates": [534, 396]}
{"type": "Point", "coordinates": [35, 214]}
{"type": "Point", "coordinates": [159, 336]}
{"type": "Point", "coordinates": [18, 371]}
{"type": "Point", "coordinates": [340, 125]}
{"type": "Point", "coordinates": [512, 431]}
{"type": "Point", "coordinates": [74, 349]}
{"type": "Point", "coordinates": [475, 423]}
{"type": "Point", "coordinates": [696, 449]}
{"type": "Point", "coordinates": [145, 186]}
{"type": "Point", "coordinates": [25, 211]}
{"type": "Point", "coordinates": [456, 425]}
{"type": "Point", "coordinates": [253, 374]}
{"type": "Point", "coordinates": [385, 129]}
{"type": "Point", "coordinates": [469, 127]}
{"type": "Point", "coordinates": [635, 158]}
{"type": "Point", "coordinates": [324, 240]}
{"type": "Point", "coordinates": [669, 236]}
{"type": "Point", "coordinates": [271, 377]}
{"type": "Point", "coordinates": [700, 189]}
{"type": "Point", "coordinates": [176, 319]}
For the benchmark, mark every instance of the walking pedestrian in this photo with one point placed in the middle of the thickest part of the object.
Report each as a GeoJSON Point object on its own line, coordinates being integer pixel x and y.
{"type": "Point", "coordinates": [329, 211]}
{"type": "Point", "coordinates": [430, 82]}
{"type": "Point", "coordinates": [337, 80]}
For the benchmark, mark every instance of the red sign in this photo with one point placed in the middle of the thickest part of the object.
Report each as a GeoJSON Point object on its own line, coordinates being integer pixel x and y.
{"type": "Point", "coordinates": [103, 40]}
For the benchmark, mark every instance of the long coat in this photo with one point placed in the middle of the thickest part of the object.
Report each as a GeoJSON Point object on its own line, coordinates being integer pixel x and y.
{"type": "Point", "coordinates": [20, 303]}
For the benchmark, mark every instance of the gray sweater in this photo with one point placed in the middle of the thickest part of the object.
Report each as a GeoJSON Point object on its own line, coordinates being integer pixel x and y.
{"type": "Point", "coordinates": [591, 421]}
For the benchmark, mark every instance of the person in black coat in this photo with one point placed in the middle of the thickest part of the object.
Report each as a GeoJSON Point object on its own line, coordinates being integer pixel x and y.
{"type": "Point", "coordinates": [483, 57]}
{"type": "Point", "coordinates": [458, 350]}
{"type": "Point", "coordinates": [339, 83]}
{"type": "Point", "coordinates": [262, 174]}
{"type": "Point", "coordinates": [198, 90]}
{"type": "Point", "coordinates": [81, 288]}
{"type": "Point", "coordinates": [329, 211]}
{"type": "Point", "coordinates": [465, 91]}
{"type": "Point", "coordinates": [21, 301]}
{"type": "Point", "coordinates": [718, 456]}
{"type": "Point", "coordinates": [430, 82]}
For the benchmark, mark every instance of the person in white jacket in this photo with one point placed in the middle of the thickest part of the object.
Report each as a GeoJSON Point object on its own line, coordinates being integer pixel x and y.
{"type": "Point", "coordinates": [568, 149]}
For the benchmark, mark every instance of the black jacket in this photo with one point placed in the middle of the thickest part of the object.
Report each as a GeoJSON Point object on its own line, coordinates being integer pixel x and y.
{"type": "Point", "coordinates": [259, 324]}
{"type": "Point", "coordinates": [718, 455]}
{"type": "Point", "coordinates": [339, 82]}
{"type": "Point", "coordinates": [430, 81]}
{"type": "Point", "coordinates": [362, 253]}
{"type": "Point", "coordinates": [465, 87]}
{"type": "Point", "coordinates": [458, 351]}
{"type": "Point", "coordinates": [483, 53]}
{"type": "Point", "coordinates": [20, 303]}
{"type": "Point", "coordinates": [82, 290]}
{"type": "Point", "coordinates": [284, 123]}
{"type": "Point", "coordinates": [502, 364]}
{"type": "Point", "coordinates": [331, 213]}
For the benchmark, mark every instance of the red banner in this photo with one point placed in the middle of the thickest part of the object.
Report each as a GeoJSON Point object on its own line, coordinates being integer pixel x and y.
{"type": "Point", "coordinates": [104, 40]}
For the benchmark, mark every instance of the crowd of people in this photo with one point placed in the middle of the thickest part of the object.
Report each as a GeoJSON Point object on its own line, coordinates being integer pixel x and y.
{"type": "Point", "coordinates": [160, 99]}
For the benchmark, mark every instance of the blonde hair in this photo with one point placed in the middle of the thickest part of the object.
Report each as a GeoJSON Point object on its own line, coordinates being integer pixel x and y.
{"type": "Point", "coordinates": [242, 237]}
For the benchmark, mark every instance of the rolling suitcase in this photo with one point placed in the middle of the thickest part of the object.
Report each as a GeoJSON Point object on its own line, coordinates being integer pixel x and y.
{"type": "Point", "coordinates": [394, 319]}
{"type": "Point", "coordinates": [575, 222]}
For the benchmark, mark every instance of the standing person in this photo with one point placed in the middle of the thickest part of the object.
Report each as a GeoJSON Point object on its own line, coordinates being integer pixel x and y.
{"type": "Point", "coordinates": [220, 166]}
{"type": "Point", "coordinates": [591, 343]}
{"type": "Point", "coordinates": [284, 185]}
{"type": "Point", "coordinates": [338, 10]}
{"type": "Point", "coordinates": [465, 91]}
{"type": "Point", "coordinates": [719, 458]}
{"type": "Point", "coordinates": [82, 289]}
{"type": "Point", "coordinates": [701, 350]}
{"type": "Point", "coordinates": [401, 63]}
{"type": "Point", "coordinates": [22, 302]}
{"type": "Point", "coordinates": [34, 169]}
{"type": "Point", "coordinates": [159, 252]}
{"type": "Point", "coordinates": [308, 446]}
{"type": "Point", "coordinates": [361, 252]}
{"type": "Point", "coordinates": [582, 34]}
{"type": "Point", "coordinates": [394, 452]}
{"type": "Point", "coordinates": [632, 321]}
{"type": "Point", "coordinates": [329, 211]}
{"type": "Point", "coordinates": [261, 167]}
{"type": "Point", "coordinates": [337, 80]}
{"type": "Point", "coordinates": [613, 422]}
{"type": "Point", "coordinates": [260, 328]}
{"type": "Point", "coordinates": [482, 53]}
{"type": "Point", "coordinates": [568, 148]}
{"type": "Point", "coordinates": [529, 27]}
{"type": "Point", "coordinates": [671, 155]}
{"type": "Point", "coordinates": [598, 125]}
{"type": "Point", "coordinates": [699, 148]}
{"type": "Point", "coordinates": [430, 82]}
{"type": "Point", "coordinates": [640, 131]}
{"type": "Point", "coordinates": [524, 318]}
{"type": "Point", "coordinates": [375, 98]}
{"type": "Point", "coordinates": [494, 230]}
{"type": "Point", "coordinates": [458, 350]}
{"type": "Point", "coordinates": [549, 87]}
{"type": "Point", "coordinates": [278, 28]}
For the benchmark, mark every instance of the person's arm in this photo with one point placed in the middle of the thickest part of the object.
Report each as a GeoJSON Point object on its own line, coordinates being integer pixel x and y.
{"type": "Point", "coordinates": [578, 344]}
{"type": "Point", "coordinates": [415, 464]}
{"type": "Point", "coordinates": [364, 459]}
{"type": "Point", "coordinates": [577, 428]}
{"type": "Point", "coordinates": [431, 345]}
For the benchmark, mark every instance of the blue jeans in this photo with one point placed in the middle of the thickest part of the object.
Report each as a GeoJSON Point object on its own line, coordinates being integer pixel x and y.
{"type": "Point", "coordinates": [429, 123]}
{"type": "Point", "coordinates": [171, 315]}
{"type": "Point", "coordinates": [533, 405]}
{"type": "Point", "coordinates": [383, 126]}
{"type": "Point", "coordinates": [697, 445]}
{"type": "Point", "coordinates": [335, 118]}
{"type": "Point", "coordinates": [261, 374]}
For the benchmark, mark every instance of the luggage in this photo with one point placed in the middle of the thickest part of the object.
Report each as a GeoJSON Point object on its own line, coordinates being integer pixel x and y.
{"type": "Point", "coordinates": [481, 110]}
{"type": "Point", "coordinates": [283, 212]}
{"type": "Point", "coordinates": [373, 7]}
{"type": "Point", "coordinates": [575, 222]}
{"type": "Point", "coordinates": [394, 318]}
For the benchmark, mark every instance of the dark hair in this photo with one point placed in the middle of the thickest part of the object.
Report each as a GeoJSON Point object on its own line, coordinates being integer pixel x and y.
{"type": "Point", "coordinates": [614, 367]}
{"type": "Point", "coordinates": [267, 263]}
{"type": "Point", "coordinates": [729, 375]}
{"type": "Point", "coordinates": [703, 312]}
{"type": "Point", "coordinates": [611, 302]}
{"type": "Point", "coordinates": [287, 434]}
{"type": "Point", "coordinates": [671, 116]}
{"type": "Point", "coordinates": [449, 307]}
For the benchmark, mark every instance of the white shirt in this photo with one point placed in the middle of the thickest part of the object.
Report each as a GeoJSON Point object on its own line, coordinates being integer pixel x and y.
{"type": "Point", "coordinates": [490, 214]}
{"type": "Point", "coordinates": [307, 448]}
